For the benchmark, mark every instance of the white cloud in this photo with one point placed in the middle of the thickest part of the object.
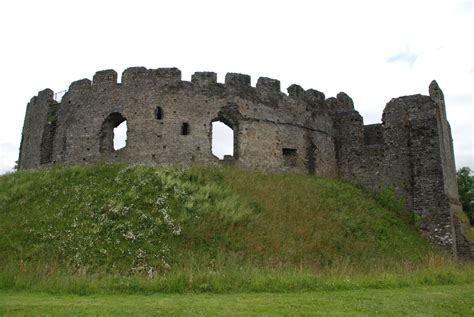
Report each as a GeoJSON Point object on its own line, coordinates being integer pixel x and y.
{"type": "Point", "coordinates": [8, 156]}
{"type": "Point", "coordinates": [331, 46]}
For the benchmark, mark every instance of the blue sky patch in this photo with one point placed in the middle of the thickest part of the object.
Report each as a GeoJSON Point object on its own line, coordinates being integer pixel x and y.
{"type": "Point", "coordinates": [404, 57]}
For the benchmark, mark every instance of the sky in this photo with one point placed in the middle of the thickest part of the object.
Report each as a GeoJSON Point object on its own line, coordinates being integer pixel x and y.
{"type": "Point", "coordinates": [372, 50]}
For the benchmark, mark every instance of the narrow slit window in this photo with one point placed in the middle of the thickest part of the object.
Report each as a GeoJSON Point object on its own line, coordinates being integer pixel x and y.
{"type": "Point", "coordinates": [289, 152]}
{"type": "Point", "coordinates": [159, 113]}
{"type": "Point", "coordinates": [185, 128]}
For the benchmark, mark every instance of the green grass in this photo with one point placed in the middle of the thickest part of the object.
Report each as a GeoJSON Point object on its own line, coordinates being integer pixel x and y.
{"type": "Point", "coordinates": [135, 229]}
{"type": "Point", "coordinates": [457, 300]}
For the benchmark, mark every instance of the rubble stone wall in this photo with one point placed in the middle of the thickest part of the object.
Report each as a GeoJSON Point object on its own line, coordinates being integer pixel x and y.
{"type": "Point", "coordinates": [170, 122]}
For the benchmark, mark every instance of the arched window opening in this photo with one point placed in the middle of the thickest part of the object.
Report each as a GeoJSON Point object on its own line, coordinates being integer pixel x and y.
{"type": "Point", "coordinates": [159, 113]}
{"type": "Point", "coordinates": [222, 144]}
{"type": "Point", "coordinates": [120, 136]}
{"type": "Point", "coordinates": [113, 135]}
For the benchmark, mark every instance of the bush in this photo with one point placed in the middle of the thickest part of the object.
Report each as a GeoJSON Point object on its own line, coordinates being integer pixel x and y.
{"type": "Point", "coordinates": [466, 191]}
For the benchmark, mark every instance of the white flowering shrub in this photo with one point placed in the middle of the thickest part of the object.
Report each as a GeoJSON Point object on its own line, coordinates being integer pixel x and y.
{"type": "Point", "coordinates": [128, 218]}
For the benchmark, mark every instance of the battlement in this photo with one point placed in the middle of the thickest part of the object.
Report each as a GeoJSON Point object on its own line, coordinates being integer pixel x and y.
{"type": "Point", "coordinates": [170, 120]}
{"type": "Point", "coordinates": [266, 89]}
{"type": "Point", "coordinates": [105, 78]}
{"type": "Point", "coordinates": [235, 80]}
{"type": "Point", "coordinates": [204, 78]}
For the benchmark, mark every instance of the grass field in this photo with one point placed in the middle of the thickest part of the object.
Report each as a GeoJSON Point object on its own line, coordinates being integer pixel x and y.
{"type": "Point", "coordinates": [448, 300]}
{"type": "Point", "coordinates": [125, 240]}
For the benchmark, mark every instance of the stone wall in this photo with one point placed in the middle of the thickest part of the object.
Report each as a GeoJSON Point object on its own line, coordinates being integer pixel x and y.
{"type": "Point", "coordinates": [170, 122]}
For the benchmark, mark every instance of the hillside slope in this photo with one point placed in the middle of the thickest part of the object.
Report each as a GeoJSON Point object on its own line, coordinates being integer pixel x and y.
{"type": "Point", "coordinates": [121, 218]}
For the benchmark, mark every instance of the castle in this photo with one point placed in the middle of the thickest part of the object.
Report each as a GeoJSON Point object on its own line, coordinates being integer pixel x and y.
{"type": "Point", "coordinates": [170, 122]}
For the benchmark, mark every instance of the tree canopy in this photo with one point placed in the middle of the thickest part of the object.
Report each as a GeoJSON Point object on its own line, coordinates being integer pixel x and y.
{"type": "Point", "coordinates": [466, 191]}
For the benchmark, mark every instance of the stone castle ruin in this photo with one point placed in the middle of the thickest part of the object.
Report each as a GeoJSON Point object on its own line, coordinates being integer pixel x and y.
{"type": "Point", "coordinates": [170, 122]}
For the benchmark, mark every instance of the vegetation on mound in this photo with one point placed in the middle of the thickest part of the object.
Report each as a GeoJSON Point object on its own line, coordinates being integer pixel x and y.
{"type": "Point", "coordinates": [178, 229]}
{"type": "Point", "coordinates": [110, 217]}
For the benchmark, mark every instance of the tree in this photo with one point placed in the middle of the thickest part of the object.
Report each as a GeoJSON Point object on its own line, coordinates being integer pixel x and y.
{"type": "Point", "coordinates": [466, 191]}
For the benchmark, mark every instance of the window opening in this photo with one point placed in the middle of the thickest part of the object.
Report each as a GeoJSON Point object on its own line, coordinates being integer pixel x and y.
{"type": "Point", "coordinates": [222, 144]}
{"type": "Point", "coordinates": [185, 128]}
{"type": "Point", "coordinates": [120, 136]}
{"type": "Point", "coordinates": [159, 113]}
{"type": "Point", "coordinates": [113, 134]}
{"type": "Point", "coordinates": [289, 157]}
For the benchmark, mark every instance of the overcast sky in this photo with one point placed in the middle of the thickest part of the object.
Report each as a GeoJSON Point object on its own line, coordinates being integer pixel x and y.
{"type": "Point", "coordinates": [372, 50]}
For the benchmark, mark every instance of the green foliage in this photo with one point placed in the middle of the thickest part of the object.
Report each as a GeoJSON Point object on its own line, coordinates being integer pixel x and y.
{"type": "Point", "coordinates": [466, 191]}
{"type": "Point", "coordinates": [52, 118]}
{"type": "Point", "coordinates": [111, 217]}
{"type": "Point", "coordinates": [142, 229]}
{"type": "Point", "coordinates": [460, 215]}
{"type": "Point", "coordinates": [387, 199]}
{"type": "Point", "coordinates": [469, 235]}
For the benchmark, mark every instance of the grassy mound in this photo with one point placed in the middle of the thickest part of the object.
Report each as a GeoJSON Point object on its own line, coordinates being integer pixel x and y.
{"type": "Point", "coordinates": [204, 228]}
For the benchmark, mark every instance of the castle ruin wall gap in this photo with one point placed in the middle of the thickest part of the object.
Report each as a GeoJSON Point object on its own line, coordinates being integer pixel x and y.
{"type": "Point", "coordinates": [170, 120]}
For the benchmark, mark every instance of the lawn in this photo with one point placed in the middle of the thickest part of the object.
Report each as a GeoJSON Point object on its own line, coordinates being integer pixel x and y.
{"type": "Point", "coordinates": [442, 300]}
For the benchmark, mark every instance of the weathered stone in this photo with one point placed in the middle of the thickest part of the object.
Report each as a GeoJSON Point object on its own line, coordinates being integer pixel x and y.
{"type": "Point", "coordinates": [204, 78]}
{"type": "Point", "coordinates": [295, 91]}
{"type": "Point", "coordinates": [170, 121]}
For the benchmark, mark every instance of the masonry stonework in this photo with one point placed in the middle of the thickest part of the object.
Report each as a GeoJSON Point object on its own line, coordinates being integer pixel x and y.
{"type": "Point", "coordinates": [170, 122]}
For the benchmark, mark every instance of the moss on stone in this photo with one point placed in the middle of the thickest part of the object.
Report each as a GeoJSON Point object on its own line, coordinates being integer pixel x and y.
{"type": "Point", "coordinates": [469, 235]}
{"type": "Point", "coordinates": [461, 215]}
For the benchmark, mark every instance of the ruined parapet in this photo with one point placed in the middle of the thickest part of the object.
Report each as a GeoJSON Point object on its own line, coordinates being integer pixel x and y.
{"type": "Point", "coordinates": [268, 90]}
{"type": "Point", "coordinates": [349, 127]}
{"type": "Point", "coordinates": [38, 131]}
{"type": "Point", "coordinates": [419, 164]}
{"type": "Point", "coordinates": [170, 120]}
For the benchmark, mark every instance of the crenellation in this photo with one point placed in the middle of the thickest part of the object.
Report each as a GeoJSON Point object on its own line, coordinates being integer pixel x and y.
{"type": "Point", "coordinates": [344, 102]}
{"type": "Point", "coordinates": [315, 100]}
{"type": "Point", "coordinates": [170, 122]}
{"type": "Point", "coordinates": [204, 78]}
{"type": "Point", "coordinates": [135, 76]}
{"type": "Point", "coordinates": [105, 78]}
{"type": "Point", "coordinates": [295, 91]}
{"type": "Point", "coordinates": [268, 91]}
{"type": "Point", "coordinates": [236, 80]}
{"type": "Point", "coordinates": [46, 94]}
{"type": "Point", "coordinates": [314, 96]}
{"type": "Point", "coordinates": [268, 86]}
{"type": "Point", "coordinates": [80, 85]}
{"type": "Point", "coordinates": [170, 77]}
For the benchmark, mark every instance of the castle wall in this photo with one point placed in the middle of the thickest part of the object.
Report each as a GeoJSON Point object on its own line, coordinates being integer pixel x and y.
{"type": "Point", "coordinates": [272, 131]}
{"type": "Point", "coordinates": [419, 164]}
{"type": "Point", "coordinates": [38, 129]}
{"type": "Point", "coordinates": [170, 122]}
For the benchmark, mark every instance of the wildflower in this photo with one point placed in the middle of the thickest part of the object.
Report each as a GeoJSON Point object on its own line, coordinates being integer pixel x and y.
{"type": "Point", "coordinates": [129, 236]}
